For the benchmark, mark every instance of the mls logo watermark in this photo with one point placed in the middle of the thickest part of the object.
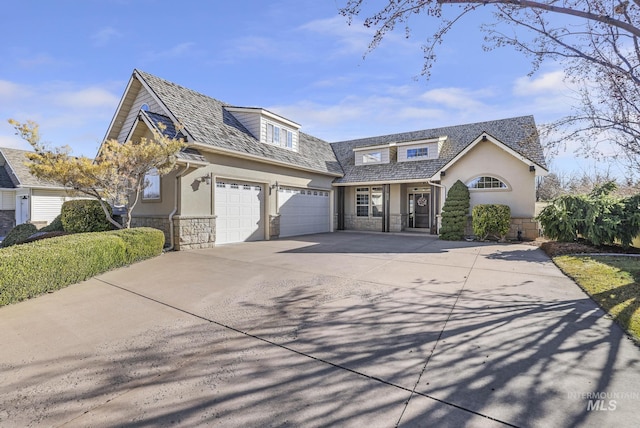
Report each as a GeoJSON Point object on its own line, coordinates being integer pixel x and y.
{"type": "Point", "coordinates": [601, 405]}
{"type": "Point", "coordinates": [603, 401]}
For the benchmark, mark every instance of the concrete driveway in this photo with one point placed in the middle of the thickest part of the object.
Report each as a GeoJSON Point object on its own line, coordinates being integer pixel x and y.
{"type": "Point", "coordinates": [342, 329]}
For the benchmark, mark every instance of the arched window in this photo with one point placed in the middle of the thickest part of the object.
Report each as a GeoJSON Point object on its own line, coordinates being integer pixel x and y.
{"type": "Point", "coordinates": [144, 107]}
{"type": "Point", "coordinates": [486, 182]}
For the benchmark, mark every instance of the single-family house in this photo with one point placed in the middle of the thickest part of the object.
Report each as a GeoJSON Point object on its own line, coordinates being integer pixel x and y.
{"type": "Point", "coordinates": [24, 197]}
{"type": "Point", "coordinates": [250, 174]}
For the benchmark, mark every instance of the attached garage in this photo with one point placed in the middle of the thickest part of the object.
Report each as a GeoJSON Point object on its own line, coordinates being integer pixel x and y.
{"type": "Point", "coordinates": [239, 209]}
{"type": "Point", "coordinates": [303, 211]}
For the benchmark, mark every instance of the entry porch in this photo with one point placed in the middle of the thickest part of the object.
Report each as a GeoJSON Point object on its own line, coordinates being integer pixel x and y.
{"type": "Point", "coordinates": [390, 207]}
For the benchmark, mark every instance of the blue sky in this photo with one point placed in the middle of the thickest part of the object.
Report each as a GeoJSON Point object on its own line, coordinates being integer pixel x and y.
{"type": "Point", "coordinates": [65, 64]}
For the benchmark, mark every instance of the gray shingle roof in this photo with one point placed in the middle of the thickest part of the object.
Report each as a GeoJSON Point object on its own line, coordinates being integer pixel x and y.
{"type": "Point", "coordinates": [518, 133]}
{"type": "Point", "coordinates": [19, 172]}
{"type": "Point", "coordinates": [208, 122]}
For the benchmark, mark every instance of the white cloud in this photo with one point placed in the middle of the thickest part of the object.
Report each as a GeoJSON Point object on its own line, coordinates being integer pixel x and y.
{"type": "Point", "coordinates": [92, 97]}
{"type": "Point", "coordinates": [105, 35]}
{"type": "Point", "coordinates": [182, 50]}
{"type": "Point", "coordinates": [547, 83]}
{"type": "Point", "coordinates": [67, 113]}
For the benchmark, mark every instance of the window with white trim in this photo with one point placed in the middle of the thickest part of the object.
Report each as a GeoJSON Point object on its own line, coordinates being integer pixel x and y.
{"type": "Point", "coordinates": [420, 152]}
{"type": "Point", "coordinates": [151, 189]}
{"type": "Point", "coordinates": [376, 202]}
{"type": "Point", "coordinates": [279, 136]}
{"type": "Point", "coordinates": [374, 157]}
{"type": "Point", "coordinates": [362, 201]}
{"type": "Point", "coordinates": [369, 202]}
{"type": "Point", "coordinates": [486, 182]}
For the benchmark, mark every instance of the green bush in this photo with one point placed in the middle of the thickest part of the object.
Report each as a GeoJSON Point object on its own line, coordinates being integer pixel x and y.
{"type": "Point", "coordinates": [455, 212]}
{"type": "Point", "coordinates": [491, 219]}
{"type": "Point", "coordinates": [19, 234]}
{"type": "Point", "coordinates": [35, 268]}
{"type": "Point", "coordinates": [598, 217]}
{"type": "Point", "coordinates": [84, 215]}
{"type": "Point", "coordinates": [54, 226]}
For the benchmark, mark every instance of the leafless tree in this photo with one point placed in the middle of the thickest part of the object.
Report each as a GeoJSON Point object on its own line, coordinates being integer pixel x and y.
{"type": "Point", "coordinates": [596, 41]}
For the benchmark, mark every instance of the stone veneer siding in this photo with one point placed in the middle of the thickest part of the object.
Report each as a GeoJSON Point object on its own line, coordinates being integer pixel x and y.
{"type": "Point", "coordinates": [189, 232]}
{"type": "Point", "coordinates": [194, 232]}
{"type": "Point", "coordinates": [7, 221]}
{"type": "Point", "coordinates": [353, 222]}
{"type": "Point", "coordinates": [274, 226]}
{"type": "Point", "coordinates": [528, 227]}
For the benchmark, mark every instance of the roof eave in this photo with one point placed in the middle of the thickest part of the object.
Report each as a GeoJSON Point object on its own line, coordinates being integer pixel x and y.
{"type": "Point", "coordinates": [232, 153]}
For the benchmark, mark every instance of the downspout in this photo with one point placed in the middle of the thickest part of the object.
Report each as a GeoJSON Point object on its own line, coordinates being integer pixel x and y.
{"type": "Point", "coordinates": [175, 207]}
{"type": "Point", "coordinates": [442, 186]}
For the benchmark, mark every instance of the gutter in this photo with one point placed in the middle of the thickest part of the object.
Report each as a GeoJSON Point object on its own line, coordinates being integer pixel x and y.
{"type": "Point", "coordinates": [175, 207]}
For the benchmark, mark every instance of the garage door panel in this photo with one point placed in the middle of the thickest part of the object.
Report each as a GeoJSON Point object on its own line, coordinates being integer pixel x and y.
{"type": "Point", "coordinates": [303, 211]}
{"type": "Point", "coordinates": [239, 208]}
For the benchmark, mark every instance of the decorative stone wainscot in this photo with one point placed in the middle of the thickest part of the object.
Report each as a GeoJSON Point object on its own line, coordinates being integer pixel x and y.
{"type": "Point", "coordinates": [528, 227]}
{"type": "Point", "coordinates": [194, 232]}
{"type": "Point", "coordinates": [352, 222]}
{"type": "Point", "coordinates": [274, 226]}
{"type": "Point", "coordinates": [157, 222]}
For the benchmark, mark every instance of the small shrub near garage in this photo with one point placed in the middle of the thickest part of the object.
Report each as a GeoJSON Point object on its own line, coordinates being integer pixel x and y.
{"type": "Point", "coordinates": [19, 234]}
{"type": "Point", "coordinates": [491, 219]}
{"type": "Point", "coordinates": [84, 215]}
{"type": "Point", "coordinates": [35, 268]}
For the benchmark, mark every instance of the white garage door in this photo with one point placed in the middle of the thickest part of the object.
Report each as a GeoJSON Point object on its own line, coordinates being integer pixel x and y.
{"type": "Point", "coordinates": [239, 208]}
{"type": "Point", "coordinates": [303, 211]}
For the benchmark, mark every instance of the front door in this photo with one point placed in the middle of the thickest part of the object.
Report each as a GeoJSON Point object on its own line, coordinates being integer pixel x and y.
{"type": "Point", "coordinates": [419, 210]}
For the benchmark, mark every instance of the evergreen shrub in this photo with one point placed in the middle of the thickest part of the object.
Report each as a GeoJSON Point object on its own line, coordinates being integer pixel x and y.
{"type": "Point", "coordinates": [455, 212]}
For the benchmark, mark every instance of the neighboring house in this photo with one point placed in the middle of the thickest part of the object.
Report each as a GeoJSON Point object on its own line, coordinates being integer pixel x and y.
{"type": "Point", "coordinates": [23, 197]}
{"type": "Point", "coordinates": [250, 174]}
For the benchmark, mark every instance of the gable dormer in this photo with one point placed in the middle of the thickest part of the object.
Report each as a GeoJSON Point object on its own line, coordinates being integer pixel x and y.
{"type": "Point", "coordinates": [267, 127]}
{"type": "Point", "coordinates": [372, 155]}
{"type": "Point", "coordinates": [420, 149]}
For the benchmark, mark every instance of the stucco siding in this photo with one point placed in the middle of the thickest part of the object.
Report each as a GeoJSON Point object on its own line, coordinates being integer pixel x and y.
{"type": "Point", "coordinates": [487, 159]}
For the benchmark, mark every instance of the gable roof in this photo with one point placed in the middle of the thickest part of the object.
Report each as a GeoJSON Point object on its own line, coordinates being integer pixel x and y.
{"type": "Point", "coordinates": [207, 122]}
{"type": "Point", "coordinates": [17, 173]}
{"type": "Point", "coordinates": [518, 134]}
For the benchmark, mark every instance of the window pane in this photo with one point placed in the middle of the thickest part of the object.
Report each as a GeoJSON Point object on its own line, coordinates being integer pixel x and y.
{"type": "Point", "coordinates": [276, 135]}
{"type": "Point", "coordinates": [269, 133]}
{"type": "Point", "coordinates": [152, 185]}
{"type": "Point", "coordinates": [372, 157]}
{"type": "Point", "coordinates": [376, 202]}
{"type": "Point", "coordinates": [486, 182]}
{"type": "Point", "coordinates": [289, 139]}
{"type": "Point", "coordinates": [362, 202]}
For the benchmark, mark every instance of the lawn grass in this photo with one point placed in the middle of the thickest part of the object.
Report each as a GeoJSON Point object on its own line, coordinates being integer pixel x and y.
{"type": "Point", "coordinates": [612, 281]}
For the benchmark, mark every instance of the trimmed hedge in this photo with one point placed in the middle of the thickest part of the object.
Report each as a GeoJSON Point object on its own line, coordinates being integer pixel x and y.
{"type": "Point", "coordinates": [54, 226]}
{"type": "Point", "coordinates": [491, 219]}
{"type": "Point", "coordinates": [19, 234]}
{"type": "Point", "coordinates": [84, 215]}
{"type": "Point", "coordinates": [35, 268]}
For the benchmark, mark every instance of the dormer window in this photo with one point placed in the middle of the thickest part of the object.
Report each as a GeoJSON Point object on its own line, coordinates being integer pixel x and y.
{"type": "Point", "coordinates": [268, 127]}
{"type": "Point", "coordinates": [279, 136]}
{"type": "Point", "coordinates": [420, 152]}
{"type": "Point", "coordinates": [375, 157]}
{"type": "Point", "coordinates": [372, 155]}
